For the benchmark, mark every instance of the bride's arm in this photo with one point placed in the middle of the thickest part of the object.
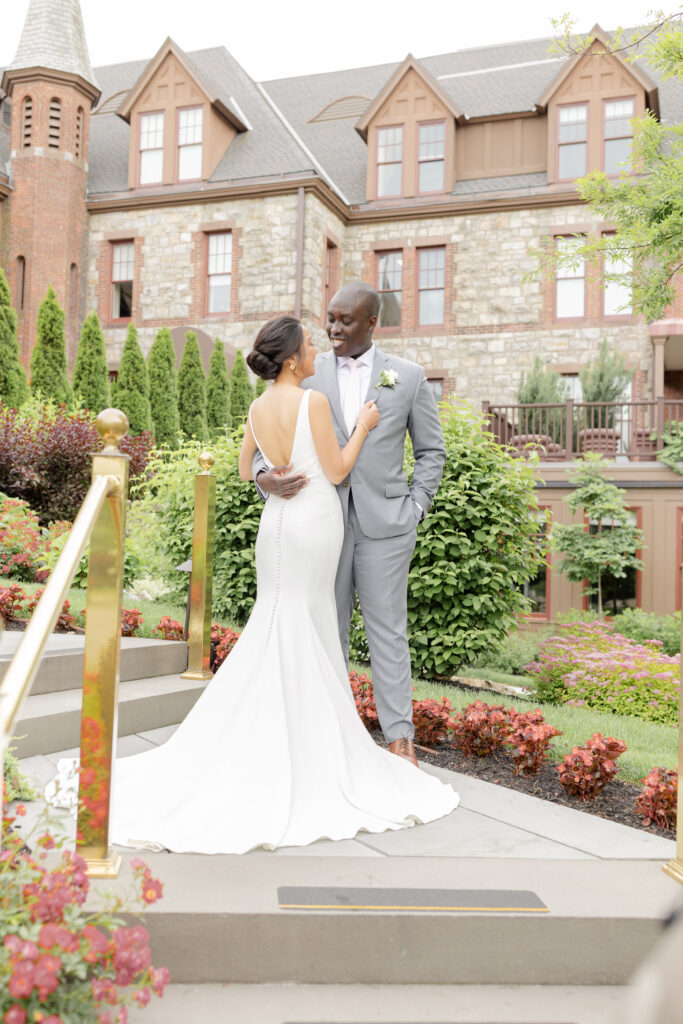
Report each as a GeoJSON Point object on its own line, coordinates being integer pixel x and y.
{"type": "Point", "coordinates": [247, 453]}
{"type": "Point", "coordinates": [336, 463]}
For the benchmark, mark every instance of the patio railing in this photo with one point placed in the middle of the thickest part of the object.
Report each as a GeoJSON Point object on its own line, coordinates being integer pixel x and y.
{"type": "Point", "coordinates": [618, 430]}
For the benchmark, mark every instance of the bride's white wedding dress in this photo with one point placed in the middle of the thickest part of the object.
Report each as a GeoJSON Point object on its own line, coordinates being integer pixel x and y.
{"type": "Point", "coordinates": [274, 753]}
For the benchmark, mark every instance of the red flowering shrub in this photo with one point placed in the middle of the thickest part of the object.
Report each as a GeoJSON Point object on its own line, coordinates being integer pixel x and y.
{"type": "Point", "coordinates": [58, 961]}
{"type": "Point", "coordinates": [20, 540]}
{"type": "Point", "coordinates": [138, 449]}
{"type": "Point", "coordinates": [223, 639]}
{"type": "Point", "coordinates": [12, 602]}
{"type": "Point", "coordinates": [65, 622]}
{"type": "Point", "coordinates": [131, 620]}
{"type": "Point", "coordinates": [170, 629]}
{"type": "Point", "coordinates": [480, 729]}
{"type": "Point", "coordinates": [364, 697]}
{"type": "Point", "coordinates": [586, 771]}
{"type": "Point", "coordinates": [431, 719]}
{"type": "Point", "coordinates": [657, 804]}
{"type": "Point", "coordinates": [530, 735]}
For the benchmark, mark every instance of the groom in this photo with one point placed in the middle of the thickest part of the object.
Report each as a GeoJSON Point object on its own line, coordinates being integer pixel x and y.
{"type": "Point", "coordinates": [381, 511]}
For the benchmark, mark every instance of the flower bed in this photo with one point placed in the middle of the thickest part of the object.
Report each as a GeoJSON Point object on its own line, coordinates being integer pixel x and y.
{"type": "Point", "coordinates": [588, 664]}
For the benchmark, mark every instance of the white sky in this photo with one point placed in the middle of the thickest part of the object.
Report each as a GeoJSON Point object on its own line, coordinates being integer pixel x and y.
{"type": "Point", "coordinates": [279, 38]}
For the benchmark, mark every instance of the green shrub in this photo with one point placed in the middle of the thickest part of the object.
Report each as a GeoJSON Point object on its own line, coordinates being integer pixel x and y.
{"type": "Point", "coordinates": [13, 384]}
{"type": "Point", "coordinates": [641, 626]}
{"type": "Point", "coordinates": [514, 653]}
{"type": "Point", "coordinates": [130, 391]}
{"type": "Point", "coordinates": [218, 391]}
{"type": "Point", "coordinates": [91, 376]}
{"type": "Point", "coordinates": [48, 359]}
{"type": "Point", "coordinates": [17, 786]}
{"type": "Point", "coordinates": [542, 387]}
{"type": "Point", "coordinates": [20, 540]}
{"type": "Point", "coordinates": [604, 379]}
{"type": "Point", "coordinates": [192, 390]}
{"type": "Point", "coordinates": [241, 391]}
{"type": "Point", "coordinates": [163, 389]}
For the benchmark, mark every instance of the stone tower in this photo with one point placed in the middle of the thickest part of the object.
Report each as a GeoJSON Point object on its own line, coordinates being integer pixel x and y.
{"type": "Point", "coordinates": [52, 90]}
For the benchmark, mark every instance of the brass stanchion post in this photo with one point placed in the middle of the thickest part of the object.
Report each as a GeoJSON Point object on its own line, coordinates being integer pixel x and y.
{"type": "Point", "coordinates": [674, 867]}
{"type": "Point", "coordinates": [201, 582]}
{"type": "Point", "coordinates": [102, 654]}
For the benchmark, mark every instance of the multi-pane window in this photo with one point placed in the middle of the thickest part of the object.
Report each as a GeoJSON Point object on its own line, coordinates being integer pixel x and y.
{"type": "Point", "coordinates": [436, 387]}
{"type": "Point", "coordinates": [536, 589]}
{"type": "Point", "coordinates": [220, 271]}
{"type": "Point", "coordinates": [190, 122]}
{"type": "Point", "coordinates": [616, 295]}
{"type": "Point", "coordinates": [431, 286]}
{"type": "Point", "coordinates": [123, 260]}
{"type": "Point", "coordinates": [570, 281]}
{"type": "Point", "coordinates": [389, 161]}
{"type": "Point", "coordinates": [390, 287]}
{"type": "Point", "coordinates": [618, 133]}
{"type": "Point", "coordinates": [572, 138]}
{"type": "Point", "coordinates": [151, 148]}
{"type": "Point", "coordinates": [431, 157]}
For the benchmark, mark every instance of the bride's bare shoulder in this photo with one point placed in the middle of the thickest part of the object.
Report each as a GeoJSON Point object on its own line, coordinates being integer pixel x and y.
{"type": "Point", "coordinates": [318, 401]}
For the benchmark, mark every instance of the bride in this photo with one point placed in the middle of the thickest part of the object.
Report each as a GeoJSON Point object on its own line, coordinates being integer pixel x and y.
{"type": "Point", "coordinates": [274, 753]}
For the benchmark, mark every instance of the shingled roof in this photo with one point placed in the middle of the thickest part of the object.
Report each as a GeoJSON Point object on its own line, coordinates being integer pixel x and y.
{"type": "Point", "coordinates": [53, 37]}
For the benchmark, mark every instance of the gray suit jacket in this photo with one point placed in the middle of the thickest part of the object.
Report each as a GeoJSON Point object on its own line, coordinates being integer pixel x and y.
{"type": "Point", "coordinates": [381, 494]}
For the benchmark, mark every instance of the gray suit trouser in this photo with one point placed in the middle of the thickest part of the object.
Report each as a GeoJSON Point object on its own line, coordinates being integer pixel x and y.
{"type": "Point", "coordinates": [377, 569]}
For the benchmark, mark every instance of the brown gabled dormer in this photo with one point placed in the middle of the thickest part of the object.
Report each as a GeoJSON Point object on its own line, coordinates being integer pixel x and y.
{"type": "Point", "coordinates": [410, 131]}
{"type": "Point", "coordinates": [179, 128]}
{"type": "Point", "coordinates": [589, 107]}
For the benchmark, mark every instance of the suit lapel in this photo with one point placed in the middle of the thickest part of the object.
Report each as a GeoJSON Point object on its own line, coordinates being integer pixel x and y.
{"type": "Point", "coordinates": [327, 369]}
{"type": "Point", "coordinates": [381, 362]}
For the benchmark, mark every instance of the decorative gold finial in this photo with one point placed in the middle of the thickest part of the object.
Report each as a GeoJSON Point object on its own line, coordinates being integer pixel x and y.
{"type": "Point", "coordinates": [112, 424]}
{"type": "Point", "coordinates": [206, 461]}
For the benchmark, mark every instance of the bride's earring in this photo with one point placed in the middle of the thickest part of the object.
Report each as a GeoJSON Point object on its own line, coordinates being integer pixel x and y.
{"type": "Point", "coordinates": [292, 367]}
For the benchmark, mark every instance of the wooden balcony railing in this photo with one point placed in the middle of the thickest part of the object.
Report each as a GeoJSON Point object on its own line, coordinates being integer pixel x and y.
{"type": "Point", "coordinates": [618, 430]}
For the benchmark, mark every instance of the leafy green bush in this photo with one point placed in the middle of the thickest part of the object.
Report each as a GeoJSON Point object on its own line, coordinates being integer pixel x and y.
{"type": "Point", "coordinates": [672, 452]}
{"type": "Point", "coordinates": [218, 391]}
{"type": "Point", "coordinates": [91, 376]}
{"type": "Point", "coordinates": [20, 540]}
{"type": "Point", "coordinates": [48, 359]}
{"type": "Point", "coordinates": [163, 389]}
{"type": "Point", "coordinates": [13, 384]}
{"type": "Point", "coordinates": [130, 391]}
{"type": "Point", "coordinates": [192, 390]}
{"type": "Point", "coordinates": [241, 391]}
{"type": "Point", "coordinates": [641, 626]}
{"type": "Point", "coordinates": [514, 653]}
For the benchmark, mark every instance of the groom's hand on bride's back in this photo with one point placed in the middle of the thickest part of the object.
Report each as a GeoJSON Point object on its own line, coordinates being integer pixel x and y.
{"type": "Point", "coordinates": [281, 482]}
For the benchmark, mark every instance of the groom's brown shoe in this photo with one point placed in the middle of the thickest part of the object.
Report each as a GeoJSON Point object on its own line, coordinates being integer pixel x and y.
{"type": "Point", "coordinates": [404, 748]}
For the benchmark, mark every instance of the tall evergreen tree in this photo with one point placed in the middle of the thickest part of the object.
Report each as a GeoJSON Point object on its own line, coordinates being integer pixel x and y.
{"type": "Point", "coordinates": [13, 385]}
{"type": "Point", "coordinates": [217, 391]}
{"type": "Point", "coordinates": [163, 389]}
{"type": "Point", "coordinates": [192, 390]}
{"type": "Point", "coordinates": [261, 386]}
{"type": "Point", "coordinates": [91, 376]}
{"type": "Point", "coordinates": [241, 391]}
{"type": "Point", "coordinates": [130, 392]}
{"type": "Point", "coordinates": [48, 361]}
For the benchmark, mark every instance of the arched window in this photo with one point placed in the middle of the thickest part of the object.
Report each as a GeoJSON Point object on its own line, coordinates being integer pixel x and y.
{"type": "Point", "coordinates": [79, 132]}
{"type": "Point", "coordinates": [26, 122]}
{"type": "Point", "coordinates": [55, 123]}
{"type": "Point", "coordinates": [20, 282]}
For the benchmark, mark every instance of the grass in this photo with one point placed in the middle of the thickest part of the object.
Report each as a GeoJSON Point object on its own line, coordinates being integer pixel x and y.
{"type": "Point", "coordinates": [477, 672]}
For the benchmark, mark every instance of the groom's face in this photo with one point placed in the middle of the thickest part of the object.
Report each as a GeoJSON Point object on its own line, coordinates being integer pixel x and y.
{"type": "Point", "coordinates": [349, 327]}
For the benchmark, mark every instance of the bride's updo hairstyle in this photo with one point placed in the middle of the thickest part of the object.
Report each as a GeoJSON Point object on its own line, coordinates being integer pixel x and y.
{"type": "Point", "coordinates": [277, 340]}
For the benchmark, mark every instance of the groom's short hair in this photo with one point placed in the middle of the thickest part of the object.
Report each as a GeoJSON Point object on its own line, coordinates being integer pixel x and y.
{"type": "Point", "coordinates": [368, 295]}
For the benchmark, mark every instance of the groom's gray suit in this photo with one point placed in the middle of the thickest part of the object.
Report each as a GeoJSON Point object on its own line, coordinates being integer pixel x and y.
{"type": "Point", "coordinates": [381, 514]}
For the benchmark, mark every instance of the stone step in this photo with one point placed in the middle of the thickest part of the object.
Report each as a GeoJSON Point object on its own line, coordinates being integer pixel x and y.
{"type": "Point", "coordinates": [220, 922]}
{"type": "Point", "coordinates": [385, 1004]}
{"type": "Point", "coordinates": [52, 721]}
{"type": "Point", "coordinates": [62, 665]}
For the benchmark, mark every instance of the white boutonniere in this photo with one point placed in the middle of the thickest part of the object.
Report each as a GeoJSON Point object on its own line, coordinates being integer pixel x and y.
{"type": "Point", "coordinates": [387, 379]}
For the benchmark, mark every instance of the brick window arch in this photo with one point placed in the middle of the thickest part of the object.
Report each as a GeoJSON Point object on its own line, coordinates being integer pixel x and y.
{"type": "Point", "coordinates": [54, 123]}
{"type": "Point", "coordinates": [79, 132]}
{"type": "Point", "coordinates": [26, 122]}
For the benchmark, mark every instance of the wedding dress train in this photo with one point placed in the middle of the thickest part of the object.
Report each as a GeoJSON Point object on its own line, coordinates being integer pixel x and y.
{"type": "Point", "coordinates": [274, 753]}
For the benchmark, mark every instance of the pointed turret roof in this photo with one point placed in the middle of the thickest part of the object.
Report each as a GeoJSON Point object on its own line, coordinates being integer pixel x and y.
{"type": "Point", "coordinates": [53, 38]}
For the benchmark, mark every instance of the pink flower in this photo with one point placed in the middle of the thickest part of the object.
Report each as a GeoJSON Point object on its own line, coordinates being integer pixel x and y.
{"type": "Point", "coordinates": [15, 1015]}
{"type": "Point", "coordinates": [21, 982]}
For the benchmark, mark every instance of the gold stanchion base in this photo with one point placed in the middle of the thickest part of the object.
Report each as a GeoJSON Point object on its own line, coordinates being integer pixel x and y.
{"type": "Point", "coordinates": [104, 867]}
{"type": "Point", "coordinates": [190, 674]}
{"type": "Point", "coordinates": [674, 868]}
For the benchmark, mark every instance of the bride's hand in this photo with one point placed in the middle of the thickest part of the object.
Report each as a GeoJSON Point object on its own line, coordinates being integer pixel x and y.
{"type": "Point", "coordinates": [369, 416]}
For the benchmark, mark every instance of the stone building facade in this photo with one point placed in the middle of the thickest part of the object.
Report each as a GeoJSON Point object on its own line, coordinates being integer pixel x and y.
{"type": "Point", "coordinates": [179, 192]}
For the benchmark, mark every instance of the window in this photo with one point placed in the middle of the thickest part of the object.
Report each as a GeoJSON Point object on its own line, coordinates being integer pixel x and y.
{"type": "Point", "coordinates": [389, 286]}
{"type": "Point", "coordinates": [190, 143]}
{"type": "Point", "coordinates": [436, 385]}
{"type": "Point", "coordinates": [122, 280]}
{"type": "Point", "coordinates": [616, 295]}
{"type": "Point", "coordinates": [6, 113]}
{"type": "Point", "coordinates": [431, 163]}
{"type": "Point", "coordinates": [573, 386]}
{"type": "Point", "coordinates": [570, 282]}
{"type": "Point", "coordinates": [537, 589]}
{"type": "Point", "coordinates": [389, 161]}
{"type": "Point", "coordinates": [54, 123]}
{"type": "Point", "coordinates": [220, 271]}
{"type": "Point", "coordinates": [331, 265]}
{"type": "Point", "coordinates": [151, 148]}
{"type": "Point", "coordinates": [79, 132]}
{"type": "Point", "coordinates": [21, 282]}
{"type": "Point", "coordinates": [572, 141]}
{"type": "Point", "coordinates": [618, 133]}
{"type": "Point", "coordinates": [617, 592]}
{"type": "Point", "coordinates": [27, 122]}
{"type": "Point", "coordinates": [431, 280]}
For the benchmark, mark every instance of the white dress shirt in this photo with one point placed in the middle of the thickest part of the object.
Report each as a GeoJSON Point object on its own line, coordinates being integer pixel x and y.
{"type": "Point", "coordinates": [364, 364]}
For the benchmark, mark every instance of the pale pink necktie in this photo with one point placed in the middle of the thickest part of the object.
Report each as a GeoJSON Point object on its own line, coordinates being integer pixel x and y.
{"type": "Point", "coordinates": [353, 399]}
